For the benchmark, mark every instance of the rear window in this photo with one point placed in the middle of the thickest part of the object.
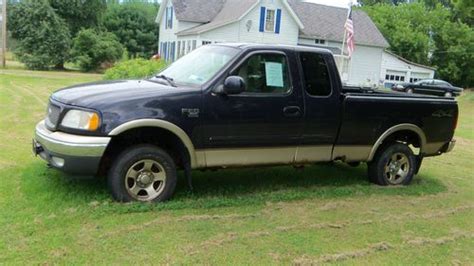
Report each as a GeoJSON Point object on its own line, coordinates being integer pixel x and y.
{"type": "Point", "coordinates": [316, 74]}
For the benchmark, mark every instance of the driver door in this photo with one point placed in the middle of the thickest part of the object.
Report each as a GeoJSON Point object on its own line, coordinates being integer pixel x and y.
{"type": "Point", "coordinates": [262, 125]}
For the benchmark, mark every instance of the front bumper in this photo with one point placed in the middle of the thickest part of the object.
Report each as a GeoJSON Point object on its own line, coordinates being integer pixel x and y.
{"type": "Point", "coordinates": [74, 154]}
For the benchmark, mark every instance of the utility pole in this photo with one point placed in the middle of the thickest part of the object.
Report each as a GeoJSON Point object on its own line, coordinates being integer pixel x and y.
{"type": "Point", "coordinates": [4, 33]}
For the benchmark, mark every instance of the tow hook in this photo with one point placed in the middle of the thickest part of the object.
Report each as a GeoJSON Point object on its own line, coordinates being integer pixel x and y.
{"type": "Point", "coordinates": [37, 148]}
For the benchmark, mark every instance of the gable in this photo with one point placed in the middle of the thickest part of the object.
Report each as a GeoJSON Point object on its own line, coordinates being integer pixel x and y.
{"type": "Point", "coordinates": [234, 11]}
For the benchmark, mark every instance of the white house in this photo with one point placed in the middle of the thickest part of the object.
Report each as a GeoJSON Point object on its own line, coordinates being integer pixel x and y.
{"type": "Point", "coordinates": [188, 24]}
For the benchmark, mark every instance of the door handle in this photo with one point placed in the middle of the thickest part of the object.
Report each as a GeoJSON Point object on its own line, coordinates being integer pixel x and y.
{"type": "Point", "coordinates": [292, 111]}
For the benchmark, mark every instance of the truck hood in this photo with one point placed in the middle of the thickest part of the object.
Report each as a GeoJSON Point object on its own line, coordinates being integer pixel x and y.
{"type": "Point", "coordinates": [104, 93]}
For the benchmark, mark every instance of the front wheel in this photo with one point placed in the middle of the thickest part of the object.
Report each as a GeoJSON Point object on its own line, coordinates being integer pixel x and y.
{"type": "Point", "coordinates": [393, 165]}
{"type": "Point", "coordinates": [410, 91]}
{"type": "Point", "coordinates": [142, 173]}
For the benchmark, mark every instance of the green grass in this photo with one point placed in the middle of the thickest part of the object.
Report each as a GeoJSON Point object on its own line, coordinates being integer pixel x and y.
{"type": "Point", "coordinates": [277, 215]}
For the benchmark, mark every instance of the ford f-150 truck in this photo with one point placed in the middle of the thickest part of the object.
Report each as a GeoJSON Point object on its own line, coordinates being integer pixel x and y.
{"type": "Point", "coordinates": [237, 105]}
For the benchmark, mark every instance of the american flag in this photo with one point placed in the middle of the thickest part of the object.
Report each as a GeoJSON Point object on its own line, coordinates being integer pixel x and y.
{"type": "Point", "coordinates": [349, 26]}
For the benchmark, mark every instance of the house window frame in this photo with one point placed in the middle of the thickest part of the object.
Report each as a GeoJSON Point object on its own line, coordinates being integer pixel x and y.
{"type": "Point", "coordinates": [266, 20]}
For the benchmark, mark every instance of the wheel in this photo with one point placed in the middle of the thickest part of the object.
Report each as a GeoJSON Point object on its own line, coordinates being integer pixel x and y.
{"type": "Point", "coordinates": [448, 94]}
{"type": "Point", "coordinates": [410, 91]}
{"type": "Point", "coordinates": [142, 173]}
{"type": "Point", "coordinates": [393, 164]}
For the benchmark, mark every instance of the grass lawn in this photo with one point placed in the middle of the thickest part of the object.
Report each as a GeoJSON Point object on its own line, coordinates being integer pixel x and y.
{"type": "Point", "coordinates": [274, 215]}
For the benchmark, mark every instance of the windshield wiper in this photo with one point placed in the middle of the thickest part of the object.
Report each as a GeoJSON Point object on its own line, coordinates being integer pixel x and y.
{"type": "Point", "coordinates": [168, 79]}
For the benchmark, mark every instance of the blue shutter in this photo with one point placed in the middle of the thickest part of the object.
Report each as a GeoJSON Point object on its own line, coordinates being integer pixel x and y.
{"type": "Point", "coordinates": [173, 49]}
{"type": "Point", "coordinates": [165, 51]}
{"type": "Point", "coordinates": [166, 19]}
{"type": "Point", "coordinates": [171, 15]}
{"type": "Point", "coordinates": [262, 19]}
{"type": "Point", "coordinates": [278, 21]}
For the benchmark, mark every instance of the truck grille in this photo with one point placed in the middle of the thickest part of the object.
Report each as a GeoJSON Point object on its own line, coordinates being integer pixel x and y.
{"type": "Point", "coordinates": [52, 117]}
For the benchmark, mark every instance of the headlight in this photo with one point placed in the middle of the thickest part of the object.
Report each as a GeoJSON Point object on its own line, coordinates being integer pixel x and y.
{"type": "Point", "coordinates": [81, 120]}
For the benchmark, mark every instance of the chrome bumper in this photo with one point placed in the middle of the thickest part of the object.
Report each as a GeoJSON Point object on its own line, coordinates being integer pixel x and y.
{"type": "Point", "coordinates": [72, 153]}
{"type": "Point", "coordinates": [68, 144]}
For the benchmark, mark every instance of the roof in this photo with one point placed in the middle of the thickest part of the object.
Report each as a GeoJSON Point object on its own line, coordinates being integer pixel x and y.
{"type": "Point", "coordinates": [232, 11]}
{"type": "Point", "coordinates": [408, 61]}
{"type": "Point", "coordinates": [327, 22]}
{"type": "Point", "coordinates": [322, 50]}
{"type": "Point", "coordinates": [201, 11]}
{"type": "Point", "coordinates": [197, 10]}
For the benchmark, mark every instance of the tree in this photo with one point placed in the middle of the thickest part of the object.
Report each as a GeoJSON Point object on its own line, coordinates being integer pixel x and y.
{"type": "Point", "coordinates": [134, 24]}
{"type": "Point", "coordinates": [43, 37]}
{"type": "Point", "coordinates": [454, 53]}
{"type": "Point", "coordinates": [92, 49]}
{"type": "Point", "coordinates": [428, 35]}
{"type": "Point", "coordinates": [407, 28]}
{"type": "Point", "coordinates": [80, 14]}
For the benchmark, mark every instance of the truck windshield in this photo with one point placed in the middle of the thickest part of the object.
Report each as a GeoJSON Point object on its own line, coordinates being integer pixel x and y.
{"type": "Point", "coordinates": [199, 66]}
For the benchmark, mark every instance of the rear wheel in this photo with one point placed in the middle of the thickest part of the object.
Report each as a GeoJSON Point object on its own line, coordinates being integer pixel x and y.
{"type": "Point", "coordinates": [142, 173]}
{"type": "Point", "coordinates": [392, 165]}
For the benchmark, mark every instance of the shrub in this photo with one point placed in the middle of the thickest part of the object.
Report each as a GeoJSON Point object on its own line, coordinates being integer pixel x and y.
{"type": "Point", "coordinates": [92, 50]}
{"type": "Point", "coordinates": [134, 69]}
{"type": "Point", "coordinates": [43, 37]}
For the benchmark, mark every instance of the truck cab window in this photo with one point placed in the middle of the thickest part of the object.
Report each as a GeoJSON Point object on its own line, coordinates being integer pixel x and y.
{"type": "Point", "coordinates": [265, 73]}
{"type": "Point", "coordinates": [316, 75]}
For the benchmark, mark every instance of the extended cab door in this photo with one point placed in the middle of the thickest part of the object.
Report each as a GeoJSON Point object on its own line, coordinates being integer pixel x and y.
{"type": "Point", "coordinates": [321, 90]}
{"type": "Point", "coordinates": [262, 125]}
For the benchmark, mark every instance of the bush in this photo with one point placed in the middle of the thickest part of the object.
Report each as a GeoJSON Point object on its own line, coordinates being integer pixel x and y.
{"type": "Point", "coordinates": [92, 50]}
{"type": "Point", "coordinates": [43, 37]}
{"type": "Point", "coordinates": [135, 69]}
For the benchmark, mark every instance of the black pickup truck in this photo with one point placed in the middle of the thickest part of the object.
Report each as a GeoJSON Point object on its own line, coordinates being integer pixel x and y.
{"type": "Point", "coordinates": [236, 105]}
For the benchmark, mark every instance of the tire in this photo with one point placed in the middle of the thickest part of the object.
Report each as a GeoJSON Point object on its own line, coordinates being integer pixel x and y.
{"type": "Point", "coordinates": [410, 91]}
{"type": "Point", "coordinates": [143, 173]}
{"type": "Point", "coordinates": [392, 165]}
{"type": "Point", "coordinates": [448, 94]}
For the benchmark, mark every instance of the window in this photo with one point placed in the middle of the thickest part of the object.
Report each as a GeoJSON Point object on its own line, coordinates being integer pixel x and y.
{"type": "Point", "coordinates": [270, 20]}
{"type": "Point", "coordinates": [169, 18]}
{"type": "Point", "coordinates": [320, 41]}
{"type": "Point", "coordinates": [199, 66]}
{"type": "Point", "coordinates": [265, 73]}
{"type": "Point", "coordinates": [206, 42]}
{"type": "Point", "coordinates": [316, 74]}
{"type": "Point", "coordinates": [194, 44]}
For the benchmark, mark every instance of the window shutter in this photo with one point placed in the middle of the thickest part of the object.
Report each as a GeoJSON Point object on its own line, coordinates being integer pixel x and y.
{"type": "Point", "coordinates": [166, 18]}
{"type": "Point", "coordinates": [171, 15]}
{"type": "Point", "coordinates": [173, 51]}
{"type": "Point", "coordinates": [278, 21]}
{"type": "Point", "coordinates": [262, 19]}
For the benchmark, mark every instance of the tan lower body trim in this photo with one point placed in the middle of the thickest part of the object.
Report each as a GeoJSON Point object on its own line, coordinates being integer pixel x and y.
{"type": "Point", "coordinates": [236, 157]}
{"type": "Point", "coordinates": [352, 153]}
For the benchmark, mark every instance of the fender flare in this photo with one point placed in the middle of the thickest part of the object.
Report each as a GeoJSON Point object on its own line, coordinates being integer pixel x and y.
{"type": "Point", "coordinates": [158, 123]}
{"type": "Point", "coordinates": [410, 127]}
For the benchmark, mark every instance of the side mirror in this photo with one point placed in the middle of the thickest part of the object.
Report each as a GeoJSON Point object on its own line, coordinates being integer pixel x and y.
{"type": "Point", "coordinates": [232, 85]}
